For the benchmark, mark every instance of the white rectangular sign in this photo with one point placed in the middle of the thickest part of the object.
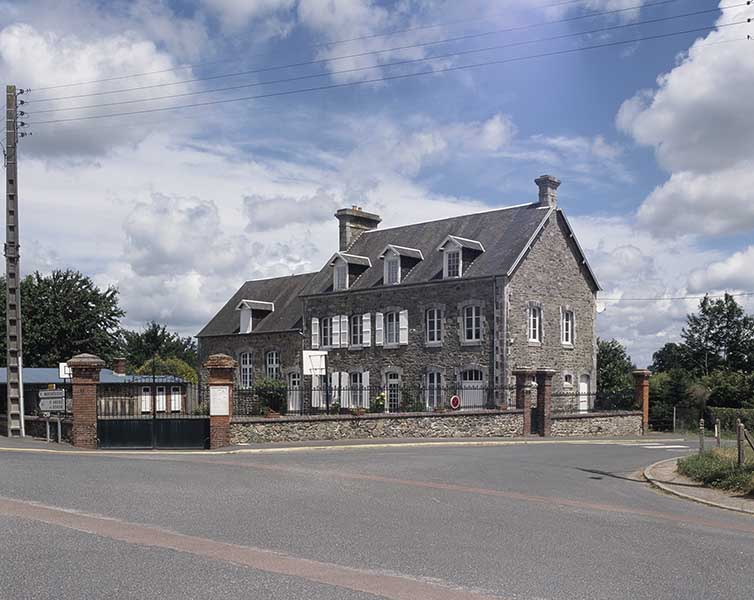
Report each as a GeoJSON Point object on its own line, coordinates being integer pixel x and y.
{"type": "Point", "coordinates": [64, 371]}
{"type": "Point", "coordinates": [315, 362]}
{"type": "Point", "coordinates": [51, 394]}
{"type": "Point", "coordinates": [52, 404]}
{"type": "Point", "coordinates": [219, 401]}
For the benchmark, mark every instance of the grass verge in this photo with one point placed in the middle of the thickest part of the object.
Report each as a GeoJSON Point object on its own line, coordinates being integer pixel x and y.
{"type": "Point", "coordinates": [717, 468]}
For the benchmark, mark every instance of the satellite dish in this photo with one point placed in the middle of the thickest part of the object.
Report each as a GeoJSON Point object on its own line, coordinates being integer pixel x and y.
{"type": "Point", "coordinates": [601, 307]}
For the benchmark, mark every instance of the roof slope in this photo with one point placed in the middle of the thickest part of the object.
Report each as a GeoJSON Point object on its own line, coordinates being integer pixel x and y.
{"type": "Point", "coordinates": [504, 234]}
{"type": "Point", "coordinates": [283, 292]}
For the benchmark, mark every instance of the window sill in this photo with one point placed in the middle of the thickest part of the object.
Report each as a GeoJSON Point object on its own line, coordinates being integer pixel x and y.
{"type": "Point", "coordinates": [534, 344]}
{"type": "Point", "coordinates": [566, 346]}
{"type": "Point", "coordinates": [472, 342]}
{"type": "Point", "coordinates": [433, 344]}
{"type": "Point", "coordinates": [355, 348]}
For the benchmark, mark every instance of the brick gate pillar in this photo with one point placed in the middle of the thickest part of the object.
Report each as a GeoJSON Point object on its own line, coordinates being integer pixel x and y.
{"type": "Point", "coordinates": [220, 369]}
{"type": "Point", "coordinates": [85, 369]}
{"type": "Point", "coordinates": [524, 392]}
{"type": "Point", "coordinates": [544, 400]}
{"type": "Point", "coordinates": [641, 395]}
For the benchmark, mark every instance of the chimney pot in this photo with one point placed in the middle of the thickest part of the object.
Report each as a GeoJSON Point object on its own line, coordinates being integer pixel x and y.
{"type": "Point", "coordinates": [548, 190]}
{"type": "Point", "coordinates": [353, 222]}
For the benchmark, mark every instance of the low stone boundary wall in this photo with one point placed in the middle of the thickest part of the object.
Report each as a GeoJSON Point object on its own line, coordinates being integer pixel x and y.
{"type": "Point", "coordinates": [409, 425]}
{"type": "Point", "coordinates": [35, 427]}
{"type": "Point", "coordinates": [604, 423]}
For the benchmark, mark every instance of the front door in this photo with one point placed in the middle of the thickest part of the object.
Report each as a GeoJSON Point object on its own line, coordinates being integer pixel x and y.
{"type": "Point", "coordinates": [584, 393]}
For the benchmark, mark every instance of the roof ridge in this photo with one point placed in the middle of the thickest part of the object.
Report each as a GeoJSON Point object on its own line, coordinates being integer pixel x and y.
{"type": "Point", "coordinates": [281, 277]}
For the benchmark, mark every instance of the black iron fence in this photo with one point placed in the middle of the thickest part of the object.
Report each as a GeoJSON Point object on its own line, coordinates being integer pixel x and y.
{"type": "Point", "coordinates": [161, 398]}
{"type": "Point", "coordinates": [280, 398]}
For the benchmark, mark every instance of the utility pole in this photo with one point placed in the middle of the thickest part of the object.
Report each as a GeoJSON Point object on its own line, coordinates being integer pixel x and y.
{"type": "Point", "coordinates": [14, 371]}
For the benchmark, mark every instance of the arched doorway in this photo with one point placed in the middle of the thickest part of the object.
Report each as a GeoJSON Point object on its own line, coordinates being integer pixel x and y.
{"type": "Point", "coordinates": [584, 385]}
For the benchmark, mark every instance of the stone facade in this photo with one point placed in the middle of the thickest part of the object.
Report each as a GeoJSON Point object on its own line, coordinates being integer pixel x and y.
{"type": "Point", "coordinates": [608, 424]}
{"type": "Point", "coordinates": [414, 359]}
{"type": "Point", "coordinates": [552, 276]}
{"type": "Point", "coordinates": [451, 425]}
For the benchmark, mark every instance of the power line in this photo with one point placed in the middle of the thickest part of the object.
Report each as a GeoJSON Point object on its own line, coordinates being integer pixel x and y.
{"type": "Point", "coordinates": [694, 297]}
{"type": "Point", "coordinates": [384, 65]}
{"type": "Point", "coordinates": [359, 54]}
{"type": "Point", "coordinates": [317, 45]}
{"type": "Point", "coordinates": [395, 77]}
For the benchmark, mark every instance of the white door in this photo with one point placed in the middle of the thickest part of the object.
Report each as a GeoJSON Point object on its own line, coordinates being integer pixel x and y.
{"type": "Point", "coordinates": [584, 393]}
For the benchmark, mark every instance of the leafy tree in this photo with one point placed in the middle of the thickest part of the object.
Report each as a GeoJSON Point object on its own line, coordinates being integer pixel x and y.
{"type": "Point", "coordinates": [168, 366]}
{"type": "Point", "coordinates": [729, 389]}
{"type": "Point", "coordinates": [671, 356]}
{"type": "Point", "coordinates": [155, 340]}
{"type": "Point", "coordinates": [614, 368]}
{"type": "Point", "coordinates": [64, 314]}
{"type": "Point", "coordinates": [720, 336]}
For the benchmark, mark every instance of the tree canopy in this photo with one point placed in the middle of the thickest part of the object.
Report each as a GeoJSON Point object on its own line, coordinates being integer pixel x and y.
{"type": "Point", "coordinates": [168, 366]}
{"type": "Point", "coordinates": [64, 314]}
{"type": "Point", "coordinates": [155, 340]}
{"type": "Point", "coordinates": [614, 368]}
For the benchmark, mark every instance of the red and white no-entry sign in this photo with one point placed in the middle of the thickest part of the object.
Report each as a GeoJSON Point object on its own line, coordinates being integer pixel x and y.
{"type": "Point", "coordinates": [455, 402]}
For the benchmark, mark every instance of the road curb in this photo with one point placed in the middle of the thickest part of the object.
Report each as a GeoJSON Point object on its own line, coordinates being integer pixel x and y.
{"type": "Point", "coordinates": [647, 473]}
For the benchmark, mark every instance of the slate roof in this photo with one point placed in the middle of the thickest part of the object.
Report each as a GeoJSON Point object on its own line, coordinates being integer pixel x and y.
{"type": "Point", "coordinates": [45, 375]}
{"type": "Point", "coordinates": [283, 292]}
{"type": "Point", "coordinates": [504, 234]}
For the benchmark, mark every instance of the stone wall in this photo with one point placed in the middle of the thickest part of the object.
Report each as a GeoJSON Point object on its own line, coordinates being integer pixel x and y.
{"type": "Point", "coordinates": [446, 425]}
{"type": "Point", "coordinates": [591, 424]}
{"type": "Point", "coordinates": [413, 360]}
{"type": "Point", "coordinates": [552, 275]}
{"type": "Point", "coordinates": [36, 428]}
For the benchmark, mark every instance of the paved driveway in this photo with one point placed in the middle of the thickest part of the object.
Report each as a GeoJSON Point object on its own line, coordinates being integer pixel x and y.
{"type": "Point", "coordinates": [555, 520]}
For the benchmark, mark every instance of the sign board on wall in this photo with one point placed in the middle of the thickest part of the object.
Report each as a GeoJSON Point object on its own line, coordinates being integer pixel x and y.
{"type": "Point", "coordinates": [64, 371]}
{"type": "Point", "coordinates": [219, 401]}
{"type": "Point", "coordinates": [315, 362]}
{"type": "Point", "coordinates": [52, 400]}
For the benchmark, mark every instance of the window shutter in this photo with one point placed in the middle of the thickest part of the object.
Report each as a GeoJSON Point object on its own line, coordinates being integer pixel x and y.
{"type": "Point", "coordinates": [334, 387]}
{"type": "Point", "coordinates": [335, 332]}
{"type": "Point", "coordinates": [315, 333]}
{"type": "Point", "coordinates": [379, 334]}
{"type": "Point", "coordinates": [344, 331]}
{"type": "Point", "coordinates": [366, 329]}
{"type": "Point", "coordinates": [366, 394]}
{"type": "Point", "coordinates": [403, 320]}
{"type": "Point", "coordinates": [345, 394]}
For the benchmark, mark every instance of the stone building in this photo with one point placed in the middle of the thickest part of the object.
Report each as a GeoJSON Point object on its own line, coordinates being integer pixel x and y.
{"type": "Point", "coordinates": [448, 306]}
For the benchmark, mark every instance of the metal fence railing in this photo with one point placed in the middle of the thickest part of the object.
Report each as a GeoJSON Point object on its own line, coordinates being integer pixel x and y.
{"type": "Point", "coordinates": [161, 398]}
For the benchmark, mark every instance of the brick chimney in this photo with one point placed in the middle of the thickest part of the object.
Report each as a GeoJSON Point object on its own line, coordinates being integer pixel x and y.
{"type": "Point", "coordinates": [548, 190]}
{"type": "Point", "coordinates": [353, 222]}
{"type": "Point", "coordinates": [119, 366]}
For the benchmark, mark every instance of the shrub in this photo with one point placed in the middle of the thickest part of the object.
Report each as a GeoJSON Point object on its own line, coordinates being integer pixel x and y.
{"type": "Point", "coordinates": [728, 417]}
{"type": "Point", "coordinates": [717, 468]}
{"type": "Point", "coordinates": [272, 394]}
{"type": "Point", "coordinates": [377, 405]}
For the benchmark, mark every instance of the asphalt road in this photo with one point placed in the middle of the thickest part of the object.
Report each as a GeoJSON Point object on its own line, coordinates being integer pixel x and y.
{"type": "Point", "coordinates": [539, 521]}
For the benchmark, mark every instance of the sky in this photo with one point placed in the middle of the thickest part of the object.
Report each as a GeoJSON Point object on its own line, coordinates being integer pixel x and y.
{"type": "Point", "coordinates": [651, 138]}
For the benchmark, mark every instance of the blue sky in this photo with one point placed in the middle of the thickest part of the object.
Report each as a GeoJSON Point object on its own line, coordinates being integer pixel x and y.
{"type": "Point", "coordinates": [652, 141]}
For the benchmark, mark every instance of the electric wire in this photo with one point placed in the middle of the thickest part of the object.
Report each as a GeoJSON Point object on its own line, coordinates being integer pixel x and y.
{"type": "Point", "coordinates": [316, 45]}
{"type": "Point", "coordinates": [673, 298]}
{"type": "Point", "coordinates": [354, 55]}
{"type": "Point", "coordinates": [398, 76]}
{"type": "Point", "coordinates": [380, 66]}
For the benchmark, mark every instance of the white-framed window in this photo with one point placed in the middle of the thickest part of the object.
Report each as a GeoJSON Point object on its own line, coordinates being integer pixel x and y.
{"type": "Point", "coordinates": [453, 263]}
{"type": "Point", "coordinates": [433, 325]}
{"type": "Point", "coordinates": [294, 392]}
{"type": "Point", "coordinates": [160, 399]}
{"type": "Point", "coordinates": [176, 398]}
{"type": "Point", "coordinates": [393, 385]}
{"type": "Point", "coordinates": [472, 388]}
{"type": "Point", "coordinates": [392, 328]}
{"type": "Point", "coordinates": [567, 327]}
{"type": "Point", "coordinates": [472, 323]}
{"type": "Point", "coordinates": [325, 326]}
{"type": "Point", "coordinates": [340, 276]}
{"type": "Point", "coordinates": [272, 364]}
{"type": "Point", "coordinates": [535, 324]}
{"type": "Point", "coordinates": [433, 389]}
{"type": "Point", "coordinates": [357, 330]}
{"type": "Point", "coordinates": [145, 399]}
{"type": "Point", "coordinates": [356, 385]}
{"type": "Point", "coordinates": [568, 380]}
{"type": "Point", "coordinates": [245, 370]}
{"type": "Point", "coordinates": [392, 270]}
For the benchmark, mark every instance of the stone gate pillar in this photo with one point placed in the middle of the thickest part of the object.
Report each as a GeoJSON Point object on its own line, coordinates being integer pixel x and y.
{"type": "Point", "coordinates": [641, 394]}
{"type": "Point", "coordinates": [524, 392]}
{"type": "Point", "coordinates": [544, 400]}
{"type": "Point", "coordinates": [220, 369]}
{"type": "Point", "coordinates": [85, 369]}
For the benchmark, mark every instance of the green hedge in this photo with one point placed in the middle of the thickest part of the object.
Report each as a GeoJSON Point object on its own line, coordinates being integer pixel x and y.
{"type": "Point", "coordinates": [728, 417]}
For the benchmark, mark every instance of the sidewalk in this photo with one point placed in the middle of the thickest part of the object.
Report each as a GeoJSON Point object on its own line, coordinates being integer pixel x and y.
{"type": "Point", "coordinates": [664, 476]}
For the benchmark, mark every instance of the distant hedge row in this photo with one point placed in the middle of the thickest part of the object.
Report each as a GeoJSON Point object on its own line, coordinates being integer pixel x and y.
{"type": "Point", "coordinates": [728, 417]}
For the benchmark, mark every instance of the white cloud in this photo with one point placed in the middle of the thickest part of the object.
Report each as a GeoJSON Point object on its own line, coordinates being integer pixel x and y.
{"type": "Point", "coordinates": [732, 273]}
{"type": "Point", "coordinates": [236, 13]}
{"type": "Point", "coordinates": [265, 213]}
{"type": "Point", "coordinates": [698, 120]}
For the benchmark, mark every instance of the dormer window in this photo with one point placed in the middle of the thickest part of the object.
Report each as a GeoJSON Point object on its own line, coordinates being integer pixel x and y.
{"type": "Point", "coordinates": [398, 261]}
{"type": "Point", "coordinates": [251, 312]}
{"type": "Point", "coordinates": [346, 269]}
{"type": "Point", "coordinates": [458, 254]}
